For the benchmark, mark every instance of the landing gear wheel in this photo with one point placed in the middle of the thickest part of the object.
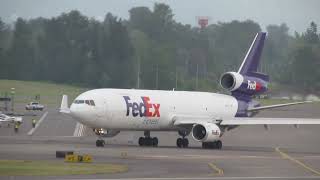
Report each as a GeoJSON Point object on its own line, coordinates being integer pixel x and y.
{"type": "Point", "coordinates": [100, 143]}
{"type": "Point", "coordinates": [148, 141]}
{"type": "Point", "coordinates": [179, 142]}
{"type": "Point", "coordinates": [204, 145]}
{"type": "Point", "coordinates": [154, 141]}
{"type": "Point", "coordinates": [218, 144]}
{"type": "Point", "coordinates": [212, 145]}
{"type": "Point", "coordinates": [185, 143]}
{"type": "Point", "coordinates": [182, 142]}
{"type": "Point", "coordinates": [141, 141]}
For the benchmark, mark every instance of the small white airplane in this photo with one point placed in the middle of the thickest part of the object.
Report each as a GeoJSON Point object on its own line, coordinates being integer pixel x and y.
{"type": "Point", "coordinates": [9, 119]}
{"type": "Point", "coordinates": [207, 116]}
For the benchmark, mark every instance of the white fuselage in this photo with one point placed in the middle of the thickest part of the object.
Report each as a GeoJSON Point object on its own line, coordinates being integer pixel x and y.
{"type": "Point", "coordinates": [131, 109]}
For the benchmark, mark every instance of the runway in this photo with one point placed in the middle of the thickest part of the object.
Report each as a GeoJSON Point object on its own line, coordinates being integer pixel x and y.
{"type": "Point", "coordinates": [249, 152]}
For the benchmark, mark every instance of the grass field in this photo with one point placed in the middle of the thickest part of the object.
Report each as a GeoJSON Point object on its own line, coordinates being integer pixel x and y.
{"type": "Point", "coordinates": [266, 102]}
{"type": "Point", "coordinates": [53, 168]}
{"type": "Point", "coordinates": [50, 93]}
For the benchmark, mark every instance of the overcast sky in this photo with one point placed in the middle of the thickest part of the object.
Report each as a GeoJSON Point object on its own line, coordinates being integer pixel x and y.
{"type": "Point", "coordinates": [296, 13]}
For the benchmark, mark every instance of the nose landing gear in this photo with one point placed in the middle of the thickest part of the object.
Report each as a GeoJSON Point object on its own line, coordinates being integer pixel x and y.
{"type": "Point", "coordinates": [99, 132]}
{"type": "Point", "coordinates": [147, 140]}
{"type": "Point", "coordinates": [100, 143]}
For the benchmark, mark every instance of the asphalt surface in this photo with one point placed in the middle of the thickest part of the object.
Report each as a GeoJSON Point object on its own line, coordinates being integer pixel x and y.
{"type": "Point", "coordinates": [54, 124]}
{"type": "Point", "coordinates": [249, 152]}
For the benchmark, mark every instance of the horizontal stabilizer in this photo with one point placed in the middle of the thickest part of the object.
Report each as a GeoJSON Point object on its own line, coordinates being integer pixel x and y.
{"type": "Point", "coordinates": [276, 106]}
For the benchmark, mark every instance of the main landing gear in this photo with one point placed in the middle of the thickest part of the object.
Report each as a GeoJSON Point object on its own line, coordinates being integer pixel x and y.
{"type": "Point", "coordinates": [183, 142]}
{"type": "Point", "coordinates": [212, 145]}
{"type": "Point", "coordinates": [147, 140]}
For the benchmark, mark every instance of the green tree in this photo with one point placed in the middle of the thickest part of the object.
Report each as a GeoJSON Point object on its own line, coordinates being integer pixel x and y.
{"type": "Point", "coordinates": [142, 48]}
{"type": "Point", "coordinates": [311, 36]}
{"type": "Point", "coordinates": [21, 53]}
{"type": "Point", "coordinates": [305, 71]}
{"type": "Point", "coordinates": [2, 60]}
{"type": "Point", "coordinates": [275, 54]}
{"type": "Point", "coordinates": [141, 19]}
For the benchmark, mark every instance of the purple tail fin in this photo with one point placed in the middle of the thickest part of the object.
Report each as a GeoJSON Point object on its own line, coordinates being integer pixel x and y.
{"type": "Point", "coordinates": [254, 82]}
{"type": "Point", "coordinates": [250, 64]}
{"type": "Point", "coordinates": [247, 82]}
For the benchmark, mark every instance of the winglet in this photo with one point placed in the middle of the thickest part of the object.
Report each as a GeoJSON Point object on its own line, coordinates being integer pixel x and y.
{"type": "Point", "coordinates": [64, 105]}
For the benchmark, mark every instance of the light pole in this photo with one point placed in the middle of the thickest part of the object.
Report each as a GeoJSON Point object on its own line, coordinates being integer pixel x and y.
{"type": "Point", "coordinates": [157, 77]}
{"type": "Point", "coordinates": [12, 99]}
{"type": "Point", "coordinates": [197, 77]}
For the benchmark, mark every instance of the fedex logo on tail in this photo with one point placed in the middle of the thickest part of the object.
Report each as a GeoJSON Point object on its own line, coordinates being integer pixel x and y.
{"type": "Point", "coordinates": [142, 109]}
{"type": "Point", "coordinates": [253, 85]}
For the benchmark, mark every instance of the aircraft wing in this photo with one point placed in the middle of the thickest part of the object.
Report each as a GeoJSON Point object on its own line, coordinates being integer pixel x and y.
{"type": "Point", "coordinates": [6, 118]}
{"type": "Point", "coordinates": [190, 121]}
{"type": "Point", "coordinates": [17, 119]}
{"type": "Point", "coordinates": [269, 121]}
{"type": "Point", "coordinates": [276, 106]}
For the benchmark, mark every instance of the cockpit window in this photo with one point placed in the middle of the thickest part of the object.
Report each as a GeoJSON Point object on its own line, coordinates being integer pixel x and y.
{"type": "Point", "coordinates": [78, 102]}
{"type": "Point", "coordinates": [88, 102]}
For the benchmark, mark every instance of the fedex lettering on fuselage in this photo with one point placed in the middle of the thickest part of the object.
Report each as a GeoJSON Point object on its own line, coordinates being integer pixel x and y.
{"type": "Point", "coordinates": [145, 108]}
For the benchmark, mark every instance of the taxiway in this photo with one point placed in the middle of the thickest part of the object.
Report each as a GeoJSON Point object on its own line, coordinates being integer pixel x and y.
{"type": "Point", "coordinates": [249, 152]}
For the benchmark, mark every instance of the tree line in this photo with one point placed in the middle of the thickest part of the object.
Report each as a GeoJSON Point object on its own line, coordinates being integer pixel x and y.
{"type": "Point", "coordinates": [151, 50]}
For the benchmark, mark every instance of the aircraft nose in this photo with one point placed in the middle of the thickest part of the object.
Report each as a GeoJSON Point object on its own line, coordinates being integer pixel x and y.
{"type": "Point", "coordinates": [78, 112]}
{"type": "Point", "coordinates": [74, 111]}
{"type": "Point", "coordinates": [81, 113]}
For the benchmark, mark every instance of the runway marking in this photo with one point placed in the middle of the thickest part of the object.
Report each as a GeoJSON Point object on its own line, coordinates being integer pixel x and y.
{"type": "Point", "coordinates": [76, 129]}
{"type": "Point", "coordinates": [286, 156]}
{"type": "Point", "coordinates": [311, 157]}
{"type": "Point", "coordinates": [79, 130]}
{"type": "Point", "coordinates": [217, 170]}
{"type": "Point", "coordinates": [30, 133]}
{"type": "Point", "coordinates": [217, 178]}
{"type": "Point", "coordinates": [229, 157]}
{"type": "Point", "coordinates": [190, 157]}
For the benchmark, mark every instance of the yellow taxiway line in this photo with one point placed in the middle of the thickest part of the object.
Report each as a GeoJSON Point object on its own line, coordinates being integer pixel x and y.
{"type": "Point", "coordinates": [217, 170]}
{"type": "Point", "coordinates": [286, 156]}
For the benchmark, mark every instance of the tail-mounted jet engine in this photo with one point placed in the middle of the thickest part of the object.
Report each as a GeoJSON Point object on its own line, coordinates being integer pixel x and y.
{"type": "Point", "coordinates": [206, 132]}
{"type": "Point", "coordinates": [250, 85]}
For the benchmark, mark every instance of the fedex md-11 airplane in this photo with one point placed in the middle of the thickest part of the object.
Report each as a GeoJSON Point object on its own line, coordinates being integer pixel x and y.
{"type": "Point", "coordinates": [207, 116]}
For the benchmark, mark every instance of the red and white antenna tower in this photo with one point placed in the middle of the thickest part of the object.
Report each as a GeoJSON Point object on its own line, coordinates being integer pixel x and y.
{"type": "Point", "coordinates": [203, 21]}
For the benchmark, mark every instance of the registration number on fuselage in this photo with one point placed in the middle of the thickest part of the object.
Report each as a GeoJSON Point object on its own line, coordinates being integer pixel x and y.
{"type": "Point", "coordinates": [150, 121]}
